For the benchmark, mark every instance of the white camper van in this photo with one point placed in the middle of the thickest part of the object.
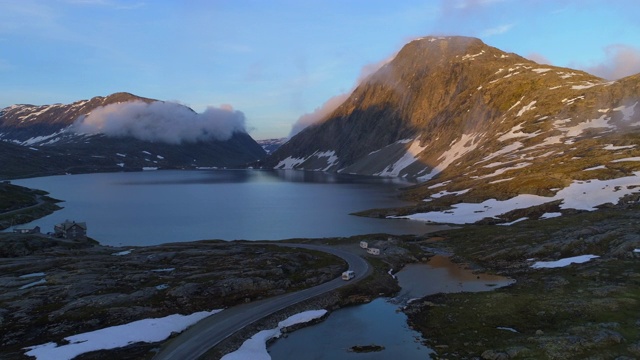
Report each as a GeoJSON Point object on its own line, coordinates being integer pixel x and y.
{"type": "Point", "coordinates": [348, 275]}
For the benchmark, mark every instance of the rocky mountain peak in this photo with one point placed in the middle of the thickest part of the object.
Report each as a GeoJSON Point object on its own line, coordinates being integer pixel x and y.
{"type": "Point", "coordinates": [455, 111]}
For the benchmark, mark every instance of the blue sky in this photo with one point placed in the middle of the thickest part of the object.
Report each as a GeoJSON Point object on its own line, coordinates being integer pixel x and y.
{"type": "Point", "coordinates": [277, 60]}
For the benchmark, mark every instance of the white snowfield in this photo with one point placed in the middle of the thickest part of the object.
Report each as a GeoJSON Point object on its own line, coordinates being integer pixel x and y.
{"type": "Point", "coordinates": [410, 156]}
{"type": "Point", "coordinates": [146, 330]}
{"type": "Point", "coordinates": [580, 195]}
{"type": "Point", "coordinates": [563, 262]}
{"type": "Point", "coordinates": [256, 347]}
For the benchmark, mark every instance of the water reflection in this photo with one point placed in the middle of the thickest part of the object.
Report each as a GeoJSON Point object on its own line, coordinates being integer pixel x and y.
{"type": "Point", "coordinates": [441, 275]}
{"type": "Point", "coordinates": [377, 323]}
{"type": "Point", "coordinates": [153, 207]}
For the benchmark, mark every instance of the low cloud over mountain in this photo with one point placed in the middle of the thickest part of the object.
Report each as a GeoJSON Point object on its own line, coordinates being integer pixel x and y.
{"type": "Point", "coordinates": [159, 121]}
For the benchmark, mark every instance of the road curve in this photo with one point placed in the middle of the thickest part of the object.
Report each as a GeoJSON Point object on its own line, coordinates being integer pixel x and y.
{"type": "Point", "coordinates": [207, 333]}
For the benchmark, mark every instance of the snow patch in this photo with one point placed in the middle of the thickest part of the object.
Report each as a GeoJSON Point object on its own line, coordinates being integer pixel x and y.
{"type": "Point", "coordinates": [458, 148]}
{"type": "Point", "coordinates": [256, 347]}
{"type": "Point", "coordinates": [501, 180]}
{"type": "Point", "coordinates": [38, 274]}
{"type": "Point", "coordinates": [626, 159]}
{"type": "Point", "coordinates": [595, 168]}
{"type": "Point", "coordinates": [439, 184]}
{"type": "Point", "coordinates": [568, 101]}
{"type": "Point", "coordinates": [503, 170]}
{"type": "Point", "coordinates": [573, 197]}
{"type": "Point", "coordinates": [32, 284]}
{"type": "Point", "coordinates": [526, 108]}
{"type": "Point", "coordinates": [540, 71]}
{"type": "Point", "coordinates": [289, 163]}
{"type": "Point", "coordinates": [516, 132]}
{"type": "Point", "coordinates": [601, 122]}
{"type": "Point", "coordinates": [331, 155]}
{"type": "Point", "coordinates": [586, 85]}
{"type": "Point", "coordinates": [613, 147]}
{"type": "Point", "coordinates": [472, 57]}
{"type": "Point", "coordinates": [149, 168]}
{"type": "Point", "coordinates": [550, 215]}
{"type": "Point", "coordinates": [445, 193]}
{"type": "Point", "coordinates": [409, 157]}
{"type": "Point", "coordinates": [122, 253]}
{"type": "Point", "coordinates": [514, 221]}
{"type": "Point", "coordinates": [146, 330]}
{"type": "Point", "coordinates": [563, 262]}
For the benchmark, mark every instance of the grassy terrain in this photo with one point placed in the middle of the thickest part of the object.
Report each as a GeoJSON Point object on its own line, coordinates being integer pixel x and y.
{"type": "Point", "coordinates": [589, 310]}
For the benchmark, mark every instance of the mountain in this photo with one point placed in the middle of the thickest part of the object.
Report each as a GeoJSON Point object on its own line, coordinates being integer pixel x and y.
{"type": "Point", "coordinates": [471, 123]}
{"type": "Point", "coordinates": [271, 145]}
{"type": "Point", "coordinates": [49, 139]}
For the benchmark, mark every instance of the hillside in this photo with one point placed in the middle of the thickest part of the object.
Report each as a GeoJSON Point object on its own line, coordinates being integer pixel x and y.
{"type": "Point", "coordinates": [51, 139]}
{"type": "Point", "coordinates": [471, 123]}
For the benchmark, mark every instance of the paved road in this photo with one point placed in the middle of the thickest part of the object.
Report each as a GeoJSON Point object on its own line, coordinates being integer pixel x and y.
{"type": "Point", "coordinates": [39, 201]}
{"type": "Point", "coordinates": [209, 332]}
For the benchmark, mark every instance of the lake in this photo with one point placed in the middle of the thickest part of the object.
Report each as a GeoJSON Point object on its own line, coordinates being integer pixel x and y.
{"type": "Point", "coordinates": [154, 207]}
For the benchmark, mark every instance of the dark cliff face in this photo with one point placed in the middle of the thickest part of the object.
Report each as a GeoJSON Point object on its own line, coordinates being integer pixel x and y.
{"type": "Point", "coordinates": [38, 141]}
{"type": "Point", "coordinates": [455, 109]}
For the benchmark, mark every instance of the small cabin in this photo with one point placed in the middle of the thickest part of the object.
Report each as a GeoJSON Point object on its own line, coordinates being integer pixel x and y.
{"type": "Point", "coordinates": [364, 244]}
{"type": "Point", "coordinates": [71, 230]}
{"type": "Point", "coordinates": [35, 230]}
{"type": "Point", "coordinates": [373, 251]}
{"type": "Point", "coordinates": [348, 275]}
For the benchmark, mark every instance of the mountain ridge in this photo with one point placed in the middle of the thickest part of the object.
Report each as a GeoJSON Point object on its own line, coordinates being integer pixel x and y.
{"type": "Point", "coordinates": [52, 144]}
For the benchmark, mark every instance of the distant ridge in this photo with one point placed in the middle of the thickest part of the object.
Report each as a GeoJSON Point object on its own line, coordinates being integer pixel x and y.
{"type": "Point", "coordinates": [40, 140]}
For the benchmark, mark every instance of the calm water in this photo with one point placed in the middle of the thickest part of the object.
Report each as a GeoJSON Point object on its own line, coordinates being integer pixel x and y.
{"type": "Point", "coordinates": [381, 322]}
{"type": "Point", "coordinates": [153, 207]}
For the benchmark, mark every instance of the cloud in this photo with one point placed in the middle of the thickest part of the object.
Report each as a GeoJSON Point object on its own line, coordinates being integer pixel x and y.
{"type": "Point", "coordinates": [321, 113]}
{"type": "Point", "coordinates": [496, 30]}
{"type": "Point", "coordinates": [539, 58]}
{"type": "Point", "coordinates": [159, 121]}
{"type": "Point", "coordinates": [117, 5]}
{"type": "Point", "coordinates": [621, 60]}
{"type": "Point", "coordinates": [318, 114]}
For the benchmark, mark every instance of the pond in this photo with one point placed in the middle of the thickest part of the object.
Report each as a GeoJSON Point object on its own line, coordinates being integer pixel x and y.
{"type": "Point", "coordinates": [382, 322]}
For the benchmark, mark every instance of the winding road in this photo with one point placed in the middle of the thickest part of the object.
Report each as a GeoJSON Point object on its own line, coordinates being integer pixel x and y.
{"type": "Point", "coordinates": [207, 333]}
